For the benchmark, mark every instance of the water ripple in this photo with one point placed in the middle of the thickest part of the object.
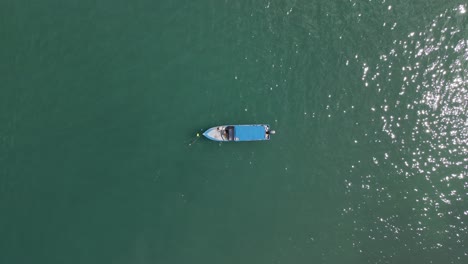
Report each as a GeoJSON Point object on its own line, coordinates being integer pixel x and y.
{"type": "Point", "coordinates": [427, 124]}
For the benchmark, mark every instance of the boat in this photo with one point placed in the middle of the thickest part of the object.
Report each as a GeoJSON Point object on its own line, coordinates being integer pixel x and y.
{"type": "Point", "coordinates": [255, 132]}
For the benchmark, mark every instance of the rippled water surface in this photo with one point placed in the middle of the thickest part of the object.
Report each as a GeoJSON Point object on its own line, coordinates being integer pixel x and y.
{"type": "Point", "coordinates": [100, 103]}
{"type": "Point", "coordinates": [413, 194]}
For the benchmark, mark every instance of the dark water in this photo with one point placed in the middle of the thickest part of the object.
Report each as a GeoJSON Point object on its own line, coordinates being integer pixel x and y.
{"type": "Point", "coordinates": [101, 100]}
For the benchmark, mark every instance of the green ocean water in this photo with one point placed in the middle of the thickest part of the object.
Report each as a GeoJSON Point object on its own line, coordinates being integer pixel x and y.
{"type": "Point", "coordinates": [101, 101]}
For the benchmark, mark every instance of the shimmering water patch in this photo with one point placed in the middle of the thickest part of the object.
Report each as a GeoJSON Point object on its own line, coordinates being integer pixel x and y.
{"type": "Point", "coordinates": [413, 195]}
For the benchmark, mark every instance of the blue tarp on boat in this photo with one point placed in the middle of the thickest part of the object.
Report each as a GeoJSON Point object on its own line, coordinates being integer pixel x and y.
{"type": "Point", "coordinates": [246, 132]}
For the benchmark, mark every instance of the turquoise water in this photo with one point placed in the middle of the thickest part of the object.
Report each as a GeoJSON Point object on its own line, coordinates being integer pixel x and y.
{"type": "Point", "coordinates": [101, 101]}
